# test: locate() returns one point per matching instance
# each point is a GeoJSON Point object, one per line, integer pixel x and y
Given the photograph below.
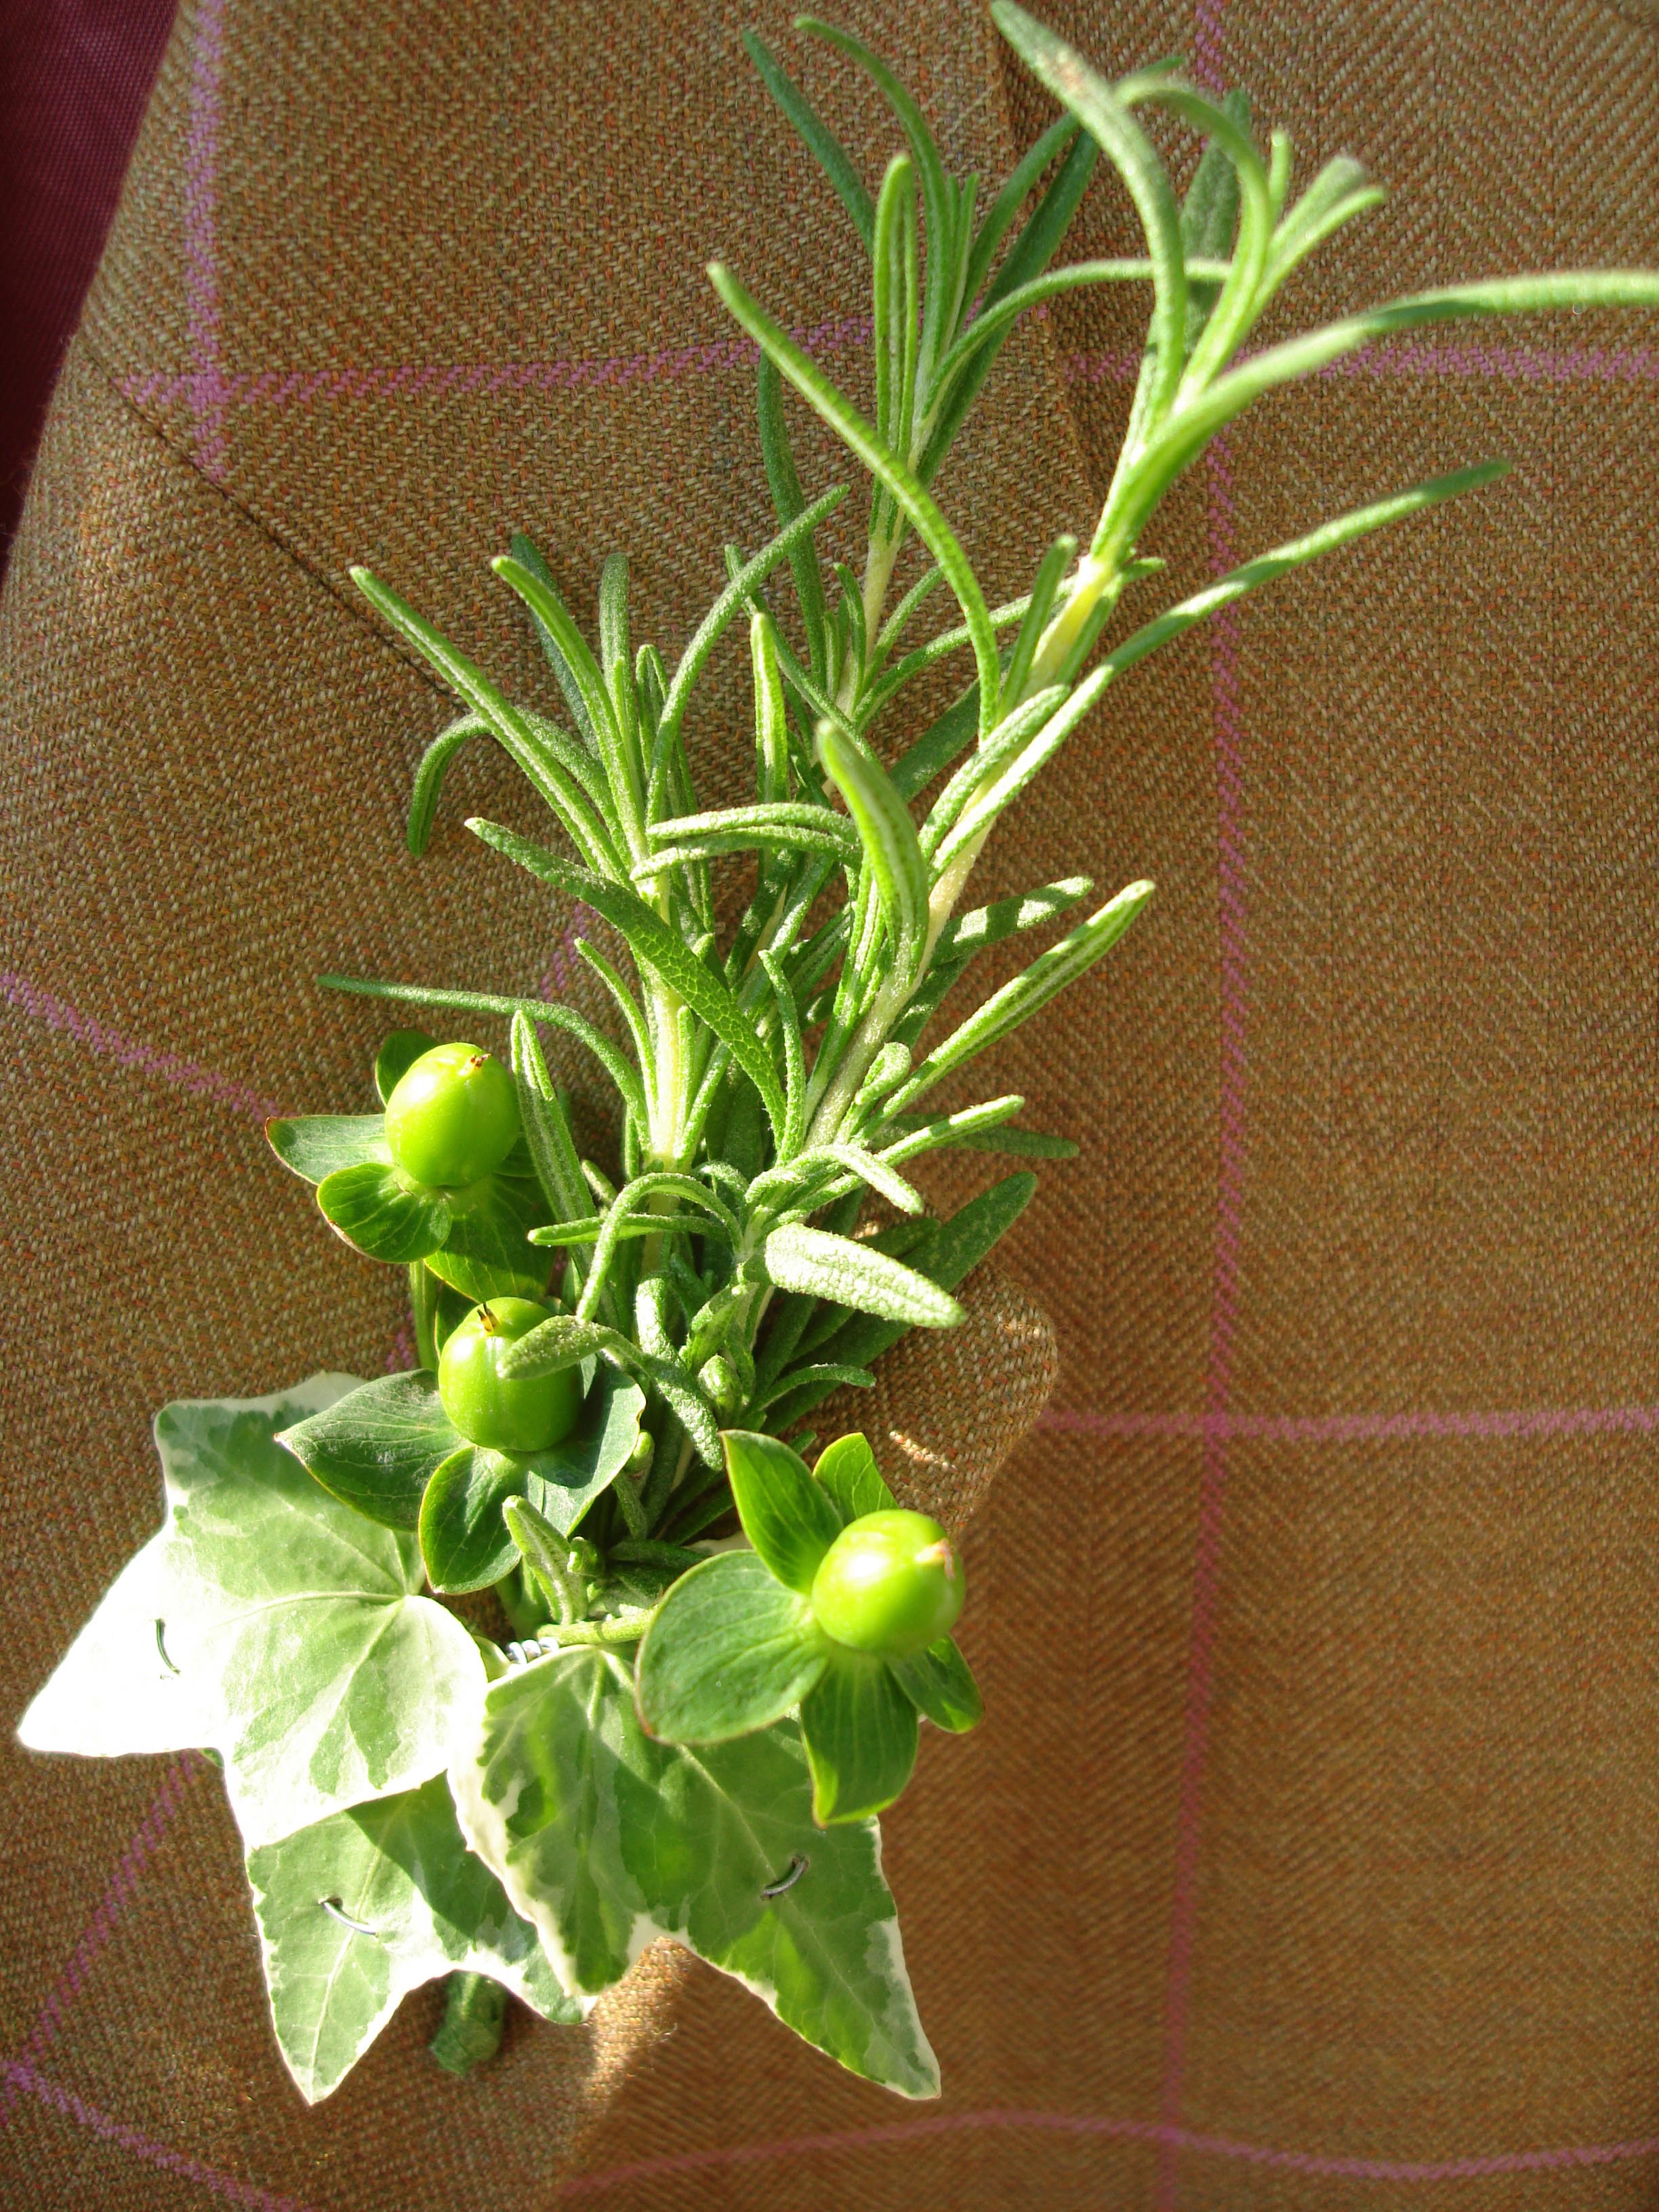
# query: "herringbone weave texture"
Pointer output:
{"type": "Point", "coordinates": [1307, 1857]}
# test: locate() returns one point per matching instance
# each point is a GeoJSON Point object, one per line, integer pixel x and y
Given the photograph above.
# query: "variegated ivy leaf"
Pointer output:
{"type": "Point", "coordinates": [423, 1905]}
{"type": "Point", "coordinates": [606, 1840]}
{"type": "Point", "coordinates": [270, 1623]}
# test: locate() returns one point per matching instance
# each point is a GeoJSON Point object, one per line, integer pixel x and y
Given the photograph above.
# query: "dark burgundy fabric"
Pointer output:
{"type": "Point", "coordinates": [74, 76]}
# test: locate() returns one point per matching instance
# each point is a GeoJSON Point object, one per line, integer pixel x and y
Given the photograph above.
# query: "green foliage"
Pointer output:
{"type": "Point", "coordinates": [270, 1623]}
{"type": "Point", "coordinates": [605, 1839]}
{"type": "Point", "coordinates": [360, 1909]}
{"type": "Point", "coordinates": [672, 1742]}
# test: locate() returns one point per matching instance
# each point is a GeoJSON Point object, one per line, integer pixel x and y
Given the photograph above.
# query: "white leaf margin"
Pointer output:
{"type": "Point", "coordinates": [122, 1688]}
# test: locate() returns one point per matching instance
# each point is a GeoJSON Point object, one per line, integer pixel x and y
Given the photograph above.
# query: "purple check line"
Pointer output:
{"type": "Point", "coordinates": [1229, 743]}
{"type": "Point", "coordinates": [440, 379]}
{"type": "Point", "coordinates": [209, 393]}
{"type": "Point", "coordinates": [29, 2082]}
{"type": "Point", "coordinates": [107, 1043]}
{"type": "Point", "coordinates": [122, 1884]}
{"type": "Point", "coordinates": [204, 386]}
{"type": "Point", "coordinates": [1223, 1427]}
{"type": "Point", "coordinates": [1137, 2132]}
{"type": "Point", "coordinates": [25, 2079]}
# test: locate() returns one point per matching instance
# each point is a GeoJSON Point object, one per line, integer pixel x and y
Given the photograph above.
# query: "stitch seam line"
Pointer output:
{"type": "Point", "coordinates": [309, 565]}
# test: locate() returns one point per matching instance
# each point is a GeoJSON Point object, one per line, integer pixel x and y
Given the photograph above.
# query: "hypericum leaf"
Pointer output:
{"type": "Point", "coordinates": [464, 1540]}
{"type": "Point", "coordinates": [376, 1449]}
{"type": "Point", "coordinates": [565, 1479]}
{"type": "Point", "coordinates": [729, 1649]}
{"type": "Point", "coordinates": [848, 1474]}
{"type": "Point", "coordinates": [1017, 1001]}
{"type": "Point", "coordinates": [785, 1516]}
{"type": "Point", "coordinates": [859, 1730]}
{"type": "Point", "coordinates": [316, 1145]}
{"type": "Point", "coordinates": [888, 838]}
{"type": "Point", "coordinates": [652, 942]}
{"type": "Point", "coordinates": [400, 1869]}
{"type": "Point", "coordinates": [487, 1252]}
{"type": "Point", "coordinates": [815, 135]}
{"type": "Point", "coordinates": [939, 1686]}
{"type": "Point", "coordinates": [828, 1267]}
{"type": "Point", "coordinates": [381, 1214]}
{"type": "Point", "coordinates": [398, 1054]}
{"type": "Point", "coordinates": [293, 1639]}
{"type": "Point", "coordinates": [606, 1840]}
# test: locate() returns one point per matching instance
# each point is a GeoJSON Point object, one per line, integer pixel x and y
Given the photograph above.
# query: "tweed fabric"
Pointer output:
{"type": "Point", "coordinates": [1306, 1858]}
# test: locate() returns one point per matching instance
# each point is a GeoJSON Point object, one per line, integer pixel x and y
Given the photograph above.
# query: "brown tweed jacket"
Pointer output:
{"type": "Point", "coordinates": [1308, 1858]}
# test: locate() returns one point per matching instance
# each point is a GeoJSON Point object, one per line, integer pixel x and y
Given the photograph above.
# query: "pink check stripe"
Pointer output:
{"type": "Point", "coordinates": [1406, 358]}
{"type": "Point", "coordinates": [142, 2147]}
{"type": "Point", "coordinates": [275, 387]}
{"type": "Point", "coordinates": [29, 2082]}
{"type": "Point", "coordinates": [116, 1899]}
{"type": "Point", "coordinates": [1359, 1428]}
{"type": "Point", "coordinates": [900, 2133]}
{"type": "Point", "coordinates": [202, 386]}
{"type": "Point", "coordinates": [209, 393]}
{"type": "Point", "coordinates": [107, 1043]}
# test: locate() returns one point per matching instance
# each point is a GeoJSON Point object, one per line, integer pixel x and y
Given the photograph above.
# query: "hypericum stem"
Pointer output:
{"type": "Point", "coordinates": [625, 1628]}
{"type": "Point", "coordinates": [423, 1306]}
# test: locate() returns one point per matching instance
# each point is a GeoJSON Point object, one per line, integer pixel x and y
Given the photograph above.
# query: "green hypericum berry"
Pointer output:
{"type": "Point", "coordinates": [520, 1414]}
{"type": "Point", "coordinates": [891, 1582]}
{"type": "Point", "coordinates": [453, 1116]}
